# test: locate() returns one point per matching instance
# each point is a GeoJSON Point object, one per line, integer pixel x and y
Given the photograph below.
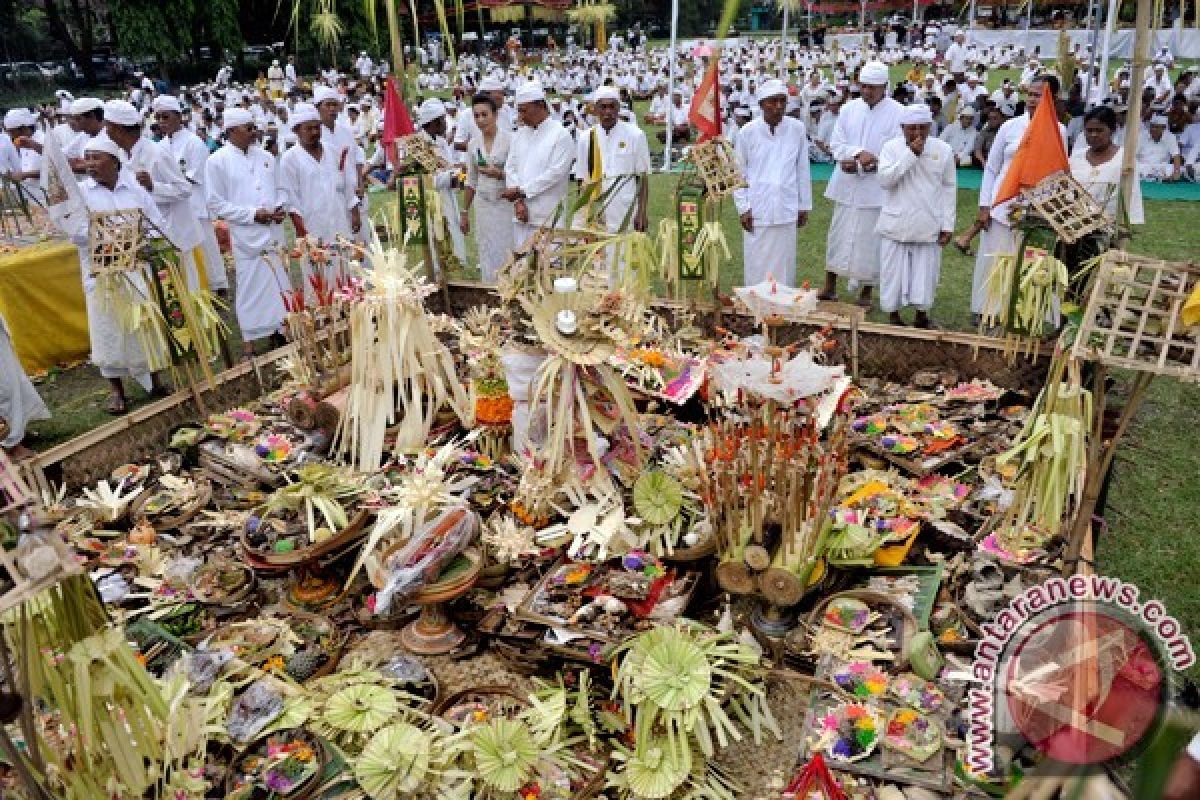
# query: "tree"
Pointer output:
{"type": "Point", "coordinates": [74, 24]}
{"type": "Point", "coordinates": [170, 32]}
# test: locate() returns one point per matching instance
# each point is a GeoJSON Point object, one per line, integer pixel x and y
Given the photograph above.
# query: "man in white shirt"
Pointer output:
{"type": "Point", "coordinates": [998, 236]}
{"type": "Point", "coordinates": [864, 124]}
{"type": "Point", "coordinates": [538, 171]}
{"type": "Point", "coordinates": [364, 65]}
{"type": "Point", "coordinates": [956, 56]}
{"type": "Point", "coordinates": [918, 179]}
{"type": "Point", "coordinates": [821, 150]}
{"type": "Point", "coordinates": [624, 163]}
{"type": "Point", "coordinates": [772, 151]}
{"type": "Point", "coordinates": [431, 119]}
{"type": "Point", "coordinates": [1189, 148]}
{"type": "Point", "coordinates": [309, 180]}
{"type": "Point", "coordinates": [191, 154]}
{"type": "Point", "coordinates": [242, 190]}
{"type": "Point", "coordinates": [159, 175]}
{"type": "Point", "coordinates": [960, 135]}
{"type": "Point", "coordinates": [21, 146]}
{"type": "Point", "coordinates": [1158, 156]}
{"type": "Point", "coordinates": [290, 79]}
{"type": "Point", "coordinates": [338, 138]}
{"type": "Point", "coordinates": [1160, 82]}
{"type": "Point", "coordinates": [970, 92]}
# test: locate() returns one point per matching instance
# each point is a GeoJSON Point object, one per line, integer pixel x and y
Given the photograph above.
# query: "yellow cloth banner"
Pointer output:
{"type": "Point", "coordinates": [41, 298]}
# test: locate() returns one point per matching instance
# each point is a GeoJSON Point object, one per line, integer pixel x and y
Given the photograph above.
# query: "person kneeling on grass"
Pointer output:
{"type": "Point", "coordinates": [918, 178]}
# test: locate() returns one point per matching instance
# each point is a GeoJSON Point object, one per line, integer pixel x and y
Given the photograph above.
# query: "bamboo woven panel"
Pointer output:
{"type": "Point", "coordinates": [1133, 320]}
{"type": "Point", "coordinates": [419, 150]}
{"type": "Point", "coordinates": [718, 167]}
{"type": "Point", "coordinates": [14, 493]}
{"type": "Point", "coordinates": [1062, 203]}
{"type": "Point", "coordinates": [114, 238]}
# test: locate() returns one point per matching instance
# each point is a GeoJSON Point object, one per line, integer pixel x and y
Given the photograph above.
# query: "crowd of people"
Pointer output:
{"type": "Point", "coordinates": [515, 134]}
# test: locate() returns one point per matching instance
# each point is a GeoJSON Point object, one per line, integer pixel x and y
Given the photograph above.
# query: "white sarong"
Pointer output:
{"type": "Point", "coordinates": [520, 372]}
{"type": "Point", "coordinates": [852, 249]}
{"type": "Point", "coordinates": [20, 403]}
{"type": "Point", "coordinates": [770, 252]}
{"type": "Point", "coordinates": [908, 274]}
{"type": "Point", "coordinates": [260, 284]}
{"type": "Point", "coordinates": [998, 239]}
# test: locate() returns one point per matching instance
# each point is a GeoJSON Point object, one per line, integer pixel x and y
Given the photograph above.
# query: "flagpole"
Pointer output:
{"type": "Point", "coordinates": [671, 68]}
{"type": "Point", "coordinates": [783, 41]}
{"type": "Point", "coordinates": [1110, 21]}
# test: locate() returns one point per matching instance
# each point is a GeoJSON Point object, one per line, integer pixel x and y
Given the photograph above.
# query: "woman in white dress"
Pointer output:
{"type": "Point", "coordinates": [487, 152]}
{"type": "Point", "coordinates": [1098, 167]}
{"type": "Point", "coordinates": [19, 401]}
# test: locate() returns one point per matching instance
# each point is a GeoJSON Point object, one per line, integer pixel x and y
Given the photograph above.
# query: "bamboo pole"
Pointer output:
{"type": "Point", "coordinates": [393, 19]}
{"type": "Point", "coordinates": [1133, 120]}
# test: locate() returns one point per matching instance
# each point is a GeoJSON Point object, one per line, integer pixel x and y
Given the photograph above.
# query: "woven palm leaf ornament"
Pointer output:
{"type": "Point", "coordinates": [504, 758]}
{"type": "Point", "coordinates": [401, 374]}
{"type": "Point", "coordinates": [578, 395]}
{"type": "Point", "coordinates": [139, 278]}
{"type": "Point", "coordinates": [404, 760]}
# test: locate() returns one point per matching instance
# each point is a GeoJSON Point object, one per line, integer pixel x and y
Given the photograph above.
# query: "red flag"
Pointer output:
{"type": "Point", "coordinates": [1040, 154]}
{"type": "Point", "coordinates": [705, 112]}
{"type": "Point", "coordinates": [396, 121]}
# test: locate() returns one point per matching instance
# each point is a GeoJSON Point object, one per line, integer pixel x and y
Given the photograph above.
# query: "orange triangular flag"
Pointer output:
{"type": "Point", "coordinates": [1040, 154]}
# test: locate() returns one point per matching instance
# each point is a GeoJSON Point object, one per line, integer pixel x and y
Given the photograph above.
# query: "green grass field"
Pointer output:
{"type": "Point", "coordinates": [1155, 491]}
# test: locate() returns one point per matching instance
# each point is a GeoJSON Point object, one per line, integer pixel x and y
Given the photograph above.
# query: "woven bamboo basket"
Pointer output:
{"type": "Point", "coordinates": [1133, 318]}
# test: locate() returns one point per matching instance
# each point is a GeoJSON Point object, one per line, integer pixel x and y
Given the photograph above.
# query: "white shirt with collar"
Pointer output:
{"type": "Point", "coordinates": [775, 163]}
{"type": "Point", "coordinates": [539, 164]}
{"type": "Point", "coordinates": [624, 152]}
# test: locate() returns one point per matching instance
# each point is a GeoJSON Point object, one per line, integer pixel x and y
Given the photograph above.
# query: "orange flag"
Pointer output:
{"type": "Point", "coordinates": [705, 113]}
{"type": "Point", "coordinates": [1040, 154]}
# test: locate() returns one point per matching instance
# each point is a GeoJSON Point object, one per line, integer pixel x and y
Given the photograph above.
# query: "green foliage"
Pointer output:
{"type": "Point", "coordinates": [147, 28]}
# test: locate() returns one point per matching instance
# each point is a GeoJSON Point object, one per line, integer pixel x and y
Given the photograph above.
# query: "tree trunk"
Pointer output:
{"type": "Point", "coordinates": [79, 52]}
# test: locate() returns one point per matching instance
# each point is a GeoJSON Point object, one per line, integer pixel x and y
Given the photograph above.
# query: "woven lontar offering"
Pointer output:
{"type": "Point", "coordinates": [114, 239]}
{"type": "Point", "coordinates": [1134, 317]}
{"type": "Point", "coordinates": [1064, 205]}
{"type": "Point", "coordinates": [718, 167]}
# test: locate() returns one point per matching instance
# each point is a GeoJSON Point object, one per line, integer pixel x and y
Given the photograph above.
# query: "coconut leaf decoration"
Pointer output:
{"type": "Point", "coordinates": [360, 709]}
{"type": "Point", "coordinates": [657, 497]}
{"type": "Point", "coordinates": [505, 754]}
{"type": "Point", "coordinates": [400, 761]}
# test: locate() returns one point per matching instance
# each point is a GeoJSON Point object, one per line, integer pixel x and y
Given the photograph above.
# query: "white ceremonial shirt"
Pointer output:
{"type": "Point", "coordinates": [239, 183]}
{"type": "Point", "coordinates": [623, 152]}
{"type": "Point", "coordinates": [343, 150]}
{"type": "Point", "coordinates": [310, 189]}
{"type": "Point", "coordinates": [775, 163]}
{"type": "Point", "coordinates": [191, 154]}
{"type": "Point", "coordinates": [539, 164]}
{"type": "Point", "coordinates": [1162, 152]}
{"type": "Point", "coordinates": [919, 192]}
{"type": "Point", "coordinates": [960, 139]}
{"type": "Point", "coordinates": [956, 58]}
{"type": "Point", "coordinates": [860, 127]}
{"type": "Point", "coordinates": [172, 192]}
{"type": "Point", "coordinates": [127, 194]}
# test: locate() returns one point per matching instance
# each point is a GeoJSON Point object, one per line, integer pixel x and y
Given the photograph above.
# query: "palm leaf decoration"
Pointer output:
{"type": "Point", "coordinates": [657, 497]}
{"type": "Point", "coordinates": [505, 753]}
{"type": "Point", "coordinates": [360, 709]}
{"type": "Point", "coordinates": [400, 761]}
{"type": "Point", "coordinates": [655, 771]}
{"type": "Point", "coordinates": [681, 679]}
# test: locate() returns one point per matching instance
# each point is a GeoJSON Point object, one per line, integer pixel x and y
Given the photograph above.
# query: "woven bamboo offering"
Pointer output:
{"type": "Point", "coordinates": [718, 167]}
{"type": "Point", "coordinates": [1133, 316]}
{"type": "Point", "coordinates": [1063, 204]}
{"type": "Point", "coordinates": [114, 238]}
{"type": "Point", "coordinates": [419, 151]}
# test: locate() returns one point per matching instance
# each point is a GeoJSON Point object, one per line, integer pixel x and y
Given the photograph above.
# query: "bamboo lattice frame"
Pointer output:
{"type": "Point", "coordinates": [718, 167]}
{"type": "Point", "coordinates": [419, 150]}
{"type": "Point", "coordinates": [1133, 316]}
{"type": "Point", "coordinates": [1062, 203]}
{"type": "Point", "coordinates": [114, 239]}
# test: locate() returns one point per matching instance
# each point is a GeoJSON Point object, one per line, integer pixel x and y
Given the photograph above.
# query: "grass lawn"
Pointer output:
{"type": "Point", "coordinates": [1155, 491]}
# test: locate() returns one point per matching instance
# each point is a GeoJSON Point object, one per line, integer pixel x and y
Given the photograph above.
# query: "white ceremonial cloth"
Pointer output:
{"type": "Point", "coordinates": [919, 192]}
{"type": "Point", "coordinates": [172, 193]}
{"type": "Point", "coordinates": [20, 403]}
{"type": "Point", "coordinates": [539, 164]}
{"type": "Point", "coordinates": [908, 275]}
{"type": "Point", "coordinates": [239, 183]}
{"type": "Point", "coordinates": [493, 214]}
{"type": "Point", "coordinates": [860, 127]}
{"type": "Point", "coordinates": [310, 189]}
{"type": "Point", "coordinates": [115, 353]}
{"type": "Point", "coordinates": [191, 154]}
{"type": "Point", "coordinates": [624, 152]}
{"type": "Point", "coordinates": [770, 252]}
